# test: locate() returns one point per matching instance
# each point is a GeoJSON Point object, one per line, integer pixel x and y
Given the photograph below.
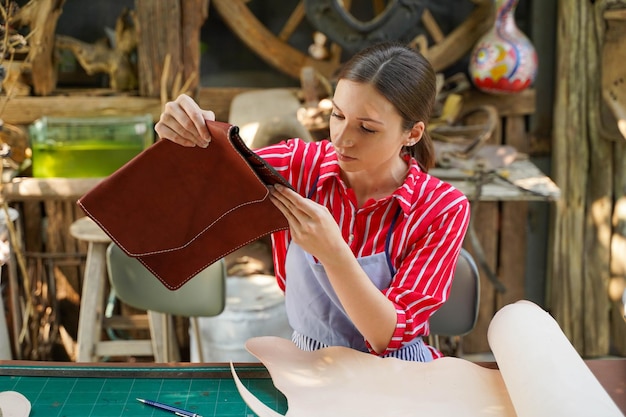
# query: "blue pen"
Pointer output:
{"type": "Point", "coordinates": [175, 410]}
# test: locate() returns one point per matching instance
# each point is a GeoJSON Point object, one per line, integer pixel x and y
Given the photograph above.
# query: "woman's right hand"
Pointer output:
{"type": "Point", "coordinates": [183, 122]}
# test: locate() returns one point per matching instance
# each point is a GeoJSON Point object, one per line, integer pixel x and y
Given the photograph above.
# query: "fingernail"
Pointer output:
{"type": "Point", "coordinates": [278, 187]}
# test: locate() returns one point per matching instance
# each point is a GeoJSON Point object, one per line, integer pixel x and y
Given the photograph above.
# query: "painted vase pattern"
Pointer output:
{"type": "Point", "coordinates": [503, 60]}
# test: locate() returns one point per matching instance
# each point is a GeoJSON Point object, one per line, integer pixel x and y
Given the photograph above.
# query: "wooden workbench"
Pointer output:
{"type": "Point", "coordinates": [519, 181]}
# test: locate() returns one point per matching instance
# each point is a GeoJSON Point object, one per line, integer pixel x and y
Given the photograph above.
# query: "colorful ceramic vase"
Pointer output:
{"type": "Point", "coordinates": [503, 60]}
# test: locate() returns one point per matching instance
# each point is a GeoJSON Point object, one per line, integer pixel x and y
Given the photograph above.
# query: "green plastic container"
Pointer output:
{"type": "Point", "coordinates": [71, 147]}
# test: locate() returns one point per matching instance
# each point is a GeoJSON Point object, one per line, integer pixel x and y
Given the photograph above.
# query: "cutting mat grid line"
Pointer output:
{"type": "Point", "coordinates": [116, 397]}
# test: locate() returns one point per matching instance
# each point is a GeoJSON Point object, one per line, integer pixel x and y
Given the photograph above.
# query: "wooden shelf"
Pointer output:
{"type": "Point", "coordinates": [36, 189]}
{"type": "Point", "coordinates": [518, 104]}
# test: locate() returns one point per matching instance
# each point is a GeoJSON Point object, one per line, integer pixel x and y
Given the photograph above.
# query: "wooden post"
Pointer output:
{"type": "Point", "coordinates": [614, 94]}
{"type": "Point", "coordinates": [617, 284]}
{"type": "Point", "coordinates": [169, 27]}
{"type": "Point", "coordinates": [586, 166]}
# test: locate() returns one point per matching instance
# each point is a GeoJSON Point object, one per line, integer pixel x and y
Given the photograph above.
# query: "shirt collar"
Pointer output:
{"type": "Point", "coordinates": [407, 193]}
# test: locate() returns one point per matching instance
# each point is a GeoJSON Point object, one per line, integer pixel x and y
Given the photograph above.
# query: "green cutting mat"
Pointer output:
{"type": "Point", "coordinates": [68, 391]}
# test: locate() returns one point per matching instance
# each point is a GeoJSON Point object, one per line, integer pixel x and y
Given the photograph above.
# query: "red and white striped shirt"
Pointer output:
{"type": "Point", "coordinates": [425, 241]}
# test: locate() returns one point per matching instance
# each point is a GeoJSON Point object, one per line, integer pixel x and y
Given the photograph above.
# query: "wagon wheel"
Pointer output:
{"type": "Point", "coordinates": [442, 50]}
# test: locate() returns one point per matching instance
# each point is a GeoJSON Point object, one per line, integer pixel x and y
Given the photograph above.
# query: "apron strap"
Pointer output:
{"type": "Point", "coordinates": [388, 240]}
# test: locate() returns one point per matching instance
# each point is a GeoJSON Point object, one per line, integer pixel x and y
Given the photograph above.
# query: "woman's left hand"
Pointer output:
{"type": "Point", "coordinates": [311, 225]}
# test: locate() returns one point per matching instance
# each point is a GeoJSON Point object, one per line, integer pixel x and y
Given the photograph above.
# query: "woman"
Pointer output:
{"type": "Point", "coordinates": [373, 239]}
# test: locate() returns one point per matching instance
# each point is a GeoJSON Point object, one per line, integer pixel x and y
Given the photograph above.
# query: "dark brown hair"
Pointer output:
{"type": "Point", "coordinates": [405, 78]}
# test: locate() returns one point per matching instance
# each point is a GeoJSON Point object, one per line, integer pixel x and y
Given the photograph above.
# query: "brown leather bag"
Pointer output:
{"type": "Point", "coordinates": [179, 209]}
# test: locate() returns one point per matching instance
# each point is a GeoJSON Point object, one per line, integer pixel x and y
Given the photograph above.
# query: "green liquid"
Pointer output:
{"type": "Point", "coordinates": [89, 158]}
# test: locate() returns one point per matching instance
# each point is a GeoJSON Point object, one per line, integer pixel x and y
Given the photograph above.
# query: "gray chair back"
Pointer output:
{"type": "Point", "coordinates": [459, 313]}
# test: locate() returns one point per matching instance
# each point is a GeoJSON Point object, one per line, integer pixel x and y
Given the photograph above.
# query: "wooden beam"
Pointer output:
{"type": "Point", "coordinates": [25, 110]}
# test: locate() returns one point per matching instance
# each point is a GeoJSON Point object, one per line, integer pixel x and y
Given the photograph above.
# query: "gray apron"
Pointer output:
{"type": "Point", "coordinates": [315, 312]}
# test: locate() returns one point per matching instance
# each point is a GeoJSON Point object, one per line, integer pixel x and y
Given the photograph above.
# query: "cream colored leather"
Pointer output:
{"type": "Point", "coordinates": [539, 375]}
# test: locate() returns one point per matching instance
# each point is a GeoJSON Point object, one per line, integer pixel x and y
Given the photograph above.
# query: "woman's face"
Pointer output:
{"type": "Point", "coordinates": [366, 129]}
